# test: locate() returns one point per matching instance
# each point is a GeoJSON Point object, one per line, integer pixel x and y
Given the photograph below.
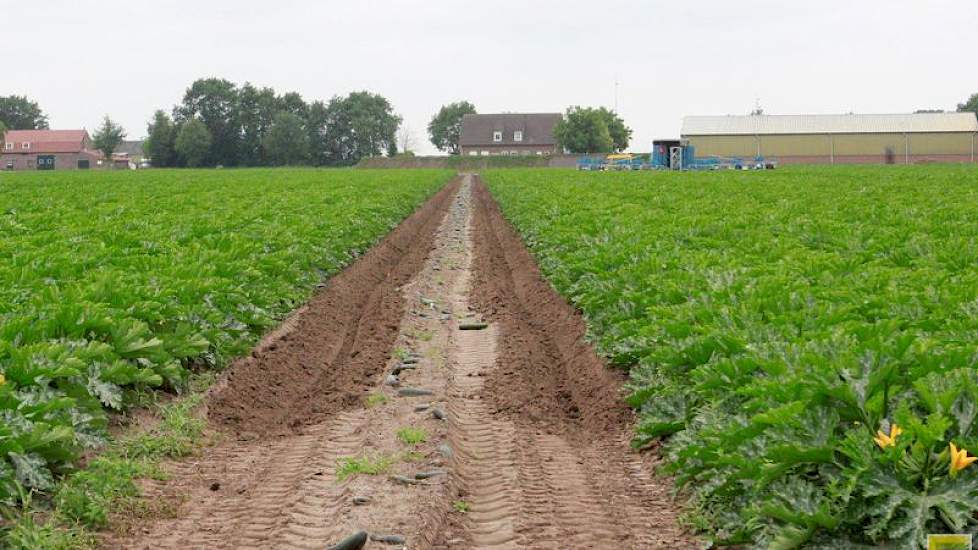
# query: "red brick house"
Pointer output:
{"type": "Point", "coordinates": [509, 134]}
{"type": "Point", "coordinates": [47, 150]}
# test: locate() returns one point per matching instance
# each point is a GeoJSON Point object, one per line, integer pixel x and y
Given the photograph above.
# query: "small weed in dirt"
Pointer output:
{"type": "Point", "coordinates": [460, 506]}
{"type": "Point", "coordinates": [412, 456]}
{"type": "Point", "coordinates": [22, 531]}
{"type": "Point", "coordinates": [108, 482]}
{"type": "Point", "coordinates": [401, 353]}
{"type": "Point", "coordinates": [371, 466]}
{"type": "Point", "coordinates": [412, 436]}
{"type": "Point", "coordinates": [177, 435]}
{"type": "Point", "coordinates": [376, 399]}
{"type": "Point", "coordinates": [424, 335]}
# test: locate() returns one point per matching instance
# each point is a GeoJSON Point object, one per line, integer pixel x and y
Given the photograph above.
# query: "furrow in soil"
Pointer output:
{"type": "Point", "coordinates": [290, 415]}
{"type": "Point", "coordinates": [438, 392]}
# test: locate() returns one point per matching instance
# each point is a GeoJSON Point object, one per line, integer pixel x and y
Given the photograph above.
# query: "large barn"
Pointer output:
{"type": "Point", "coordinates": [837, 139]}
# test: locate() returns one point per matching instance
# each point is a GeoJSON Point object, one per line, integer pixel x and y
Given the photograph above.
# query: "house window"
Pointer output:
{"type": "Point", "coordinates": [518, 135]}
{"type": "Point", "coordinates": [540, 153]}
{"type": "Point", "coordinates": [497, 136]}
{"type": "Point", "coordinates": [473, 153]}
{"type": "Point", "coordinates": [25, 145]}
{"type": "Point", "coordinates": [8, 146]}
{"type": "Point", "coordinates": [484, 153]}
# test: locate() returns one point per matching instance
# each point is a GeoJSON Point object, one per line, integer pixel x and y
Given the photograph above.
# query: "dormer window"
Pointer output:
{"type": "Point", "coordinates": [518, 135]}
{"type": "Point", "coordinates": [497, 136]}
{"type": "Point", "coordinates": [25, 146]}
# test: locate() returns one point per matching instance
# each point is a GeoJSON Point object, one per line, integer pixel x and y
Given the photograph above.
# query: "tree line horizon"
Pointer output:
{"type": "Point", "coordinates": [219, 123]}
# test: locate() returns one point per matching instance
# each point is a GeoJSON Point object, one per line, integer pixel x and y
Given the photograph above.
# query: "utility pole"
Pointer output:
{"type": "Point", "coordinates": [616, 93]}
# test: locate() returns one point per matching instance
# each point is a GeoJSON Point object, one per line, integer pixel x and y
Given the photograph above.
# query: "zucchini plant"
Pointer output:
{"type": "Point", "coordinates": [802, 341]}
{"type": "Point", "coordinates": [113, 283]}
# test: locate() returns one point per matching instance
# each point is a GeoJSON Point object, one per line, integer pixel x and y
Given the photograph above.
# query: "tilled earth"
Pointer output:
{"type": "Point", "coordinates": [525, 436]}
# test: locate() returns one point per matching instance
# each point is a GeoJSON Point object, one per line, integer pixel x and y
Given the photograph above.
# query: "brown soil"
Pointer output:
{"type": "Point", "coordinates": [338, 346]}
{"type": "Point", "coordinates": [534, 441]}
{"type": "Point", "coordinates": [554, 428]}
{"type": "Point", "coordinates": [547, 373]}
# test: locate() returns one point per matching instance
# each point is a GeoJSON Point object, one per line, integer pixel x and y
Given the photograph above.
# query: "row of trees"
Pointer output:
{"type": "Point", "coordinates": [582, 130]}
{"type": "Point", "coordinates": [219, 123]}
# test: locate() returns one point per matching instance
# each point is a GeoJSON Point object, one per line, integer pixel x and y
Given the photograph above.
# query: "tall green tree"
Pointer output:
{"type": "Point", "coordinates": [317, 119]}
{"type": "Point", "coordinates": [293, 103]}
{"type": "Point", "coordinates": [20, 113]}
{"type": "Point", "coordinates": [3, 131]}
{"type": "Point", "coordinates": [193, 143]}
{"type": "Point", "coordinates": [108, 136]}
{"type": "Point", "coordinates": [445, 127]}
{"type": "Point", "coordinates": [214, 101]}
{"type": "Point", "coordinates": [620, 134]}
{"type": "Point", "coordinates": [584, 130]}
{"type": "Point", "coordinates": [160, 143]}
{"type": "Point", "coordinates": [970, 105]}
{"type": "Point", "coordinates": [359, 125]}
{"type": "Point", "coordinates": [256, 109]}
{"type": "Point", "coordinates": [287, 142]}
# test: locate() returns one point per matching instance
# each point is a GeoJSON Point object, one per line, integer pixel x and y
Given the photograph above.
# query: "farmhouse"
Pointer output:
{"type": "Point", "coordinates": [837, 139]}
{"type": "Point", "coordinates": [509, 134]}
{"type": "Point", "coordinates": [47, 150]}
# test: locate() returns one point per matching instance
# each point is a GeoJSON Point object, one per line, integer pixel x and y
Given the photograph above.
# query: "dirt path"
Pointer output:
{"type": "Point", "coordinates": [525, 439]}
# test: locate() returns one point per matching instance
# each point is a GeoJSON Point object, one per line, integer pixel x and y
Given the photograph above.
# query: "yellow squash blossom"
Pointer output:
{"type": "Point", "coordinates": [960, 459]}
{"type": "Point", "coordinates": [884, 440]}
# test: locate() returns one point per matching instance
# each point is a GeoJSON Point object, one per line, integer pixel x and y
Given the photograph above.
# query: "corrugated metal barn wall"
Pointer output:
{"type": "Point", "coordinates": [842, 148]}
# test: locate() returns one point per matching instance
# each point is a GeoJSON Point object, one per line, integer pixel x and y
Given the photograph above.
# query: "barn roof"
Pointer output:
{"type": "Point", "coordinates": [46, 141]}
{"type": "Point", "coordinates": [829, 124]}
{"type": "Point", "coordinates": [131, 148]}
{"type": "Point", "coordinates": [537, 128]}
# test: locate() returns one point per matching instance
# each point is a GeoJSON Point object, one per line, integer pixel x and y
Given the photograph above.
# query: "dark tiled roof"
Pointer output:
{"type": "Point", "coordinates": [537, 128]}
{"type": "Point", "coordinates": [131, 148]}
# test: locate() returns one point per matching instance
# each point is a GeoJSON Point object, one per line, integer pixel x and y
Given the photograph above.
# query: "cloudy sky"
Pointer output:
{"type": "Point", "coordinates": [81, 59]}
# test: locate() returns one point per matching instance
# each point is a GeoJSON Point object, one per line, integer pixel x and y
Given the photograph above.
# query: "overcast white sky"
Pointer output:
{"type": "Point", "coordinates": [84, 58]}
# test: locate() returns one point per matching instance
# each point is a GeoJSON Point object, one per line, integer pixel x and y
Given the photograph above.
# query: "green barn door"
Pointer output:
{"type": "Point", "coordinates": [45, 162]}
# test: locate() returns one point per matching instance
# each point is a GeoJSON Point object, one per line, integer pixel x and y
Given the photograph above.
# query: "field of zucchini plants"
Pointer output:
{"type": "Point", "coordinates": [112, 283]}
{"type": "Point", "coordinates": [803, 342]}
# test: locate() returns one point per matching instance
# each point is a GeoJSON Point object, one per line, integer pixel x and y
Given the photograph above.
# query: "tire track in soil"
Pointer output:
{"type": "Point", "coordinates": [536, 437]}
{"type": "Point", "coordinates": [289, 412]}
{"type": "Point", "coordinates": [545, 425]}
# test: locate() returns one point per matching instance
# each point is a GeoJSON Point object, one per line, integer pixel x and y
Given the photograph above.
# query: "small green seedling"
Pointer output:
{"type": "Point", "coordinates": [461, 506]}
{"type": "Point", "coordinates": [376, 399]}
{"type": "Point", "coordinates": [412, 436]}
{"type": "Point", "coordinates": [412, 456]}
{"type": "Point", "coordinates": [371, 466]}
